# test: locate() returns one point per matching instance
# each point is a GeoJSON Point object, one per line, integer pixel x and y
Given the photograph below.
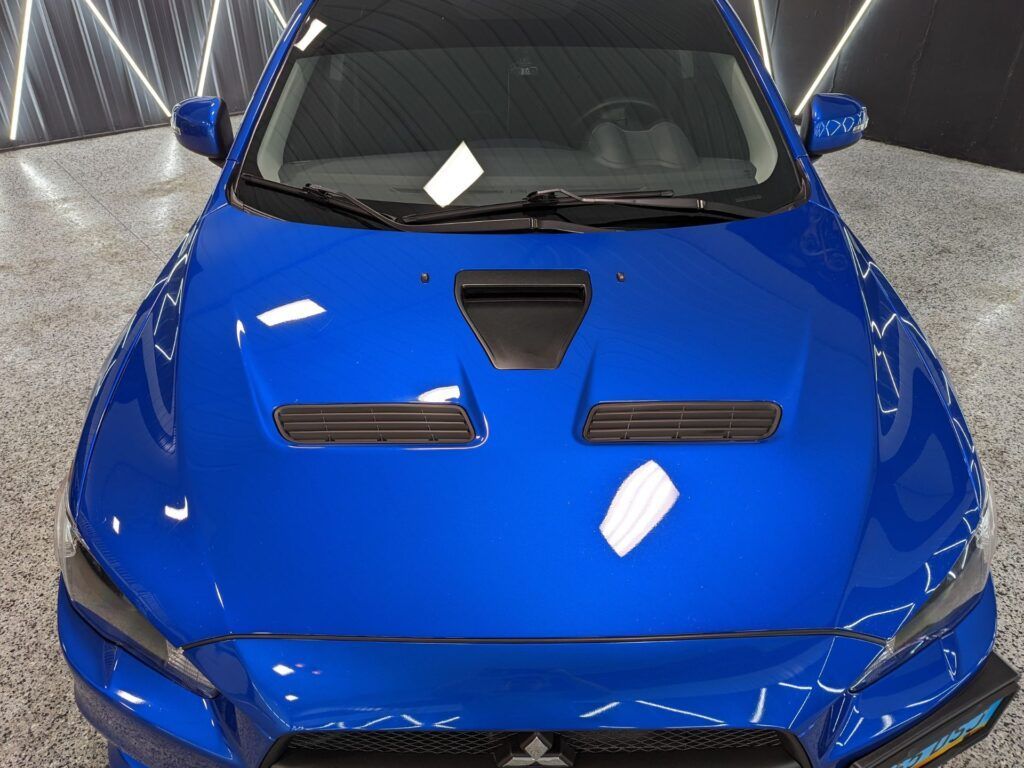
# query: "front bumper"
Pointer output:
{"type": "Point", "coordinates": [934, 706]}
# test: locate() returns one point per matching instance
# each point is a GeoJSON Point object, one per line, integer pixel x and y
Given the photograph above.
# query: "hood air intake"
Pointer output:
{"type": "Point", "coordinates": [704, 422]}
{"type": "Point", "coordinates": [525, 319]}
{"type": "Point", "coordinates": [394, 423]}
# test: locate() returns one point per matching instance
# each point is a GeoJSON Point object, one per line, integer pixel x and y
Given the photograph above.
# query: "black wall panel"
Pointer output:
{"type": "Point", "coordinates": [960, 91]}
{"type": "Point", "coordinates": [945, 76]}
{"type": "Point", "coordinates": [940, 75]}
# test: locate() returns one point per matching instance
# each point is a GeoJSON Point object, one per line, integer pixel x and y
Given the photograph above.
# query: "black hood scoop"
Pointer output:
{"type": "Point", "coordinates": [525, 319]}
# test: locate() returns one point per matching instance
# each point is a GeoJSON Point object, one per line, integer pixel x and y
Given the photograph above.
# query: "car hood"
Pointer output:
{"type": "Point", "coordinates": [214, 525]}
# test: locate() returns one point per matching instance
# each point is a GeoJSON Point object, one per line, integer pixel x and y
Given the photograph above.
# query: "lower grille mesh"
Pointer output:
{"type": "Point", "coordinates": [361, 424]}
{"type": "Point", "coordinates": [483, 742]}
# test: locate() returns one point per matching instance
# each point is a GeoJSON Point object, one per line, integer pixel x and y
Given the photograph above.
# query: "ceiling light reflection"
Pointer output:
{"type": "Point", "coordinates": [287, 313]}
{"type": "Point", "coordinates": [832, 58]}
{"type": "Point", "coordinates": [127, 56]}
{"type": "Point", "coordinates": [440, 395]}
{"type": "Point", "coordinates": [600, 710]}
{"type": "Point", "coordinates": [315, 28]}
{"type": "Point", "coordinates": [277, 12]}
{"type": "Point", "coordinates": [208, 48]}
{"type": "Point", "coordinates": [19, 77]}
{"type": "Point", "coordinates": [177, 513]}
{"type": "Point", "coordinates": [640, 504]}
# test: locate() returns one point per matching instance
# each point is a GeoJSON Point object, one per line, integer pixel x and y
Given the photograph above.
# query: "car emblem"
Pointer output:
{"type": "Point", "coordinates": [536, 749]}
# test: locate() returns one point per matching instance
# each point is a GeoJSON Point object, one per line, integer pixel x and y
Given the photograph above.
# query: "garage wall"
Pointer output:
{"type": "Point", "coordinates": [79, 83]}
{"type": "Point", "coordinates": [945, 76]}
{"type": "Point", "coordinates": [940, 75]}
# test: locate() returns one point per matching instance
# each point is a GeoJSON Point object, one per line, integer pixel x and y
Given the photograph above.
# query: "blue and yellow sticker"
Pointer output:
{"type": "Point", "coordinates": [950, 740]}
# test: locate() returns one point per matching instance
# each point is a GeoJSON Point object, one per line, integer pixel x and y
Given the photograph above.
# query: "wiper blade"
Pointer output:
{"type": "Point", "coordinates": [346, 203]}
{"type": "Point", "coordinates": [560, 198]}
{"type": "Point", "coordinates": [338, 201]}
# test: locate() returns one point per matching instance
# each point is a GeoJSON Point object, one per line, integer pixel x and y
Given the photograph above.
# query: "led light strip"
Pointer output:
{"type": "Point", "coordinates": [277, 12]}
{"type": "Point", "coordinates": [835, 55]}
{"type": "Point", "coordinates": [208, 49]}
{"type": "Point", "coordinates": [766, 53]}
{"type": "Point", "coordinates": [127, 56]}
{"type": "Point", "coordinates": [19, 81]}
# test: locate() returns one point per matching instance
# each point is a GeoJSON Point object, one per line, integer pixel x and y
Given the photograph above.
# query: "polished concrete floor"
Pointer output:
{"type": "Point", "coordinates": [84, 228]}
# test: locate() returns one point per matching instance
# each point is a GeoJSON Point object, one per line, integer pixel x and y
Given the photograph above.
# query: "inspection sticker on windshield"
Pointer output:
{"type": "Point", "coordinates": [951, 740]}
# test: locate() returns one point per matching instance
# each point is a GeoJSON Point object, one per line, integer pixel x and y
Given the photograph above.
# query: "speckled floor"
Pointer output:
{"type": "Point", "coordinates": [84, 228]}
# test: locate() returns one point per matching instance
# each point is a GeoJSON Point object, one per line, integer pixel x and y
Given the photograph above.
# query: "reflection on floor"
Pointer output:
{"type": "Point", "coordinates": [85, 227]}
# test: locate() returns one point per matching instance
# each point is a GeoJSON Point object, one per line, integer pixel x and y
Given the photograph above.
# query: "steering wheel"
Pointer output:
{"type": "Point", "coordinates": [639, 105]}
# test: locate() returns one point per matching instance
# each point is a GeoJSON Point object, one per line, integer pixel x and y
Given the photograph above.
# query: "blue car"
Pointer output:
{"type": "Point", "coordinates": [520, 398]}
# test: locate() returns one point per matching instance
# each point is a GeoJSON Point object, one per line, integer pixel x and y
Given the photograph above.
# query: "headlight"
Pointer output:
{"type": "Point", "coordinates": [949, 603]}
{"type": "Point", "coordinates": [110, 612]}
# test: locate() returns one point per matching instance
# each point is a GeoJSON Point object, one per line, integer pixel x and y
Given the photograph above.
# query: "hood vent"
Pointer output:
{"type": "Point", "coordinates": [525, 319]}
{"type": "Point", "coordinates": [705, 422]}
{"type": "Point", "coordinates": [363, 424]}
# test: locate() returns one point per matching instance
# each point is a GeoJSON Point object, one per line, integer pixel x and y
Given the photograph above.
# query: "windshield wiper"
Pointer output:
{"type": "Point", "coordinates": [346, 203]}
{"type": "Point", "coordinates": [338, 201]}
{"type": "Point", "coordinates": [562, 198]}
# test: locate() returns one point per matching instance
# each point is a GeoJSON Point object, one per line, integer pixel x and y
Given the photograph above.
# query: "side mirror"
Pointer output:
{"type": "Point", "coordinates": [202, 125]}
{"type": "Point", "coordinates": [835, 122]}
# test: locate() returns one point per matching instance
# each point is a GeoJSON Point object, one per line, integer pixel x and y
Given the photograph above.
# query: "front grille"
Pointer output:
{"type": "Point", "coordinates": [703, 422]}
{"type": "Point", "coordinates": [363, 424]}
{"type": "Point", "coordinates": [584, 742]}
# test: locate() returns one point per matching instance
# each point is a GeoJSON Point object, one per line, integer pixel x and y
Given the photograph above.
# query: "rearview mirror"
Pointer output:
{"type": "Point", "coordinates": [202, 125]}
{"type": "Point", "coordinates": [835, 122]}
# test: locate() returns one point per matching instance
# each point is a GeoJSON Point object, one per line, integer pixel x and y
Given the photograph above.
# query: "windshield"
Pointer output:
{"type": "Point", "coordinates": [414, 106]}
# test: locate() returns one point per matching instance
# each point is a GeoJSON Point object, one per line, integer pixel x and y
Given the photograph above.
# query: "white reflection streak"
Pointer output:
{"type": "Point", "coordinates": [239, 330]}
{"type": "Point", "coordinates": [315, 28]}
{"type": "Point", "coordinates": [803, 704]}
{"type": "Point", "coordinates": [208, 48]}
{"type": "Point", "coordinates": [283, 670]}
{"type": "Point", "coordinates": [277, 12]}
{"type": "Point", "coordinates": [834, 55]}
{"type": "Point", "coordinates": [127, 57]}
{"type": "Point", "coordinates": [846, 741]}
{"type": "Point", "coordinates": [640, 504]}
{"type": "Point", "coordinates": [440, 395]}
{"type": "Point", "coordinates": [759, 711]}
{"type": "Point", "coordinates": [600, 710]}
{"type": "Point", "coordinates": [19, 78]}
{"type": "Point", "coordinates": [763, 35]}
{"type": "Point", "coordinates": [680, 712]}
{"type": "Point", "coordinates": [173, 301]}
{"type": "Point", "coordinates": [907, 609]}
{"type": "Point", "coordinates": [131, 698]}
{"type": "Point", "coordinates": [444, 723]}
{"type": "Point", "coordinates": [177, 513]}
{"type": "Point", "coordinates": [796, 687]}
{"type": "Point", "coordinates": [378, 721]}
{"type": "Point", "coordinates": [287, 313]}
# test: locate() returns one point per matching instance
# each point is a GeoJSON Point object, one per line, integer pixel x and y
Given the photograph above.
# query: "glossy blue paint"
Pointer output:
{"type": "Point", "coordinates": [835, 524]}
{"type": "Point", "coordinates": [836, 122]}
{"type": "Point", "coordinates": [201, 125]}
{"type": "Point", "coordinates": [272, 687]}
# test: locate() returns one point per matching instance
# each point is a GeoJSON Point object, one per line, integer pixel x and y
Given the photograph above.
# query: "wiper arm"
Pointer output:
{"type": "Point", "coordinates": [346, 203]}
{"type": "Point", "coordinates": [338, 201]}
{"type": "Point", "coordinates": [560, 198]}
